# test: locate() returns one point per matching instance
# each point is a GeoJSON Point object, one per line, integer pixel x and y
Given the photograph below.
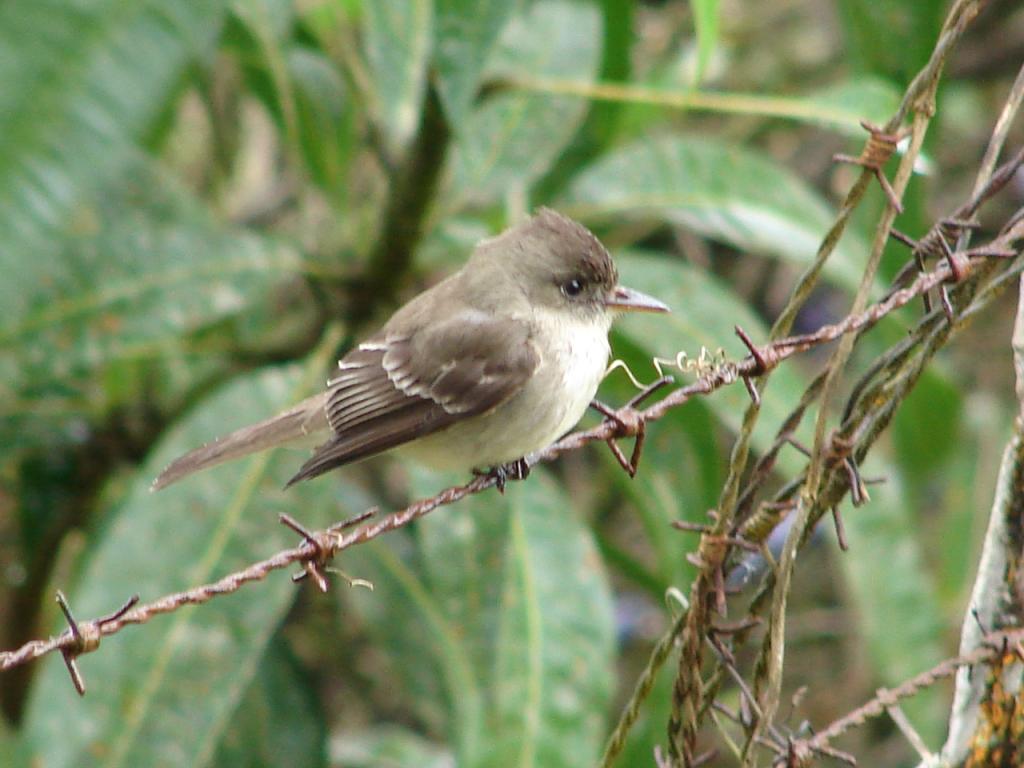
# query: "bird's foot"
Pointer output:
{"type": "Point", "coordinates": [502, 473]}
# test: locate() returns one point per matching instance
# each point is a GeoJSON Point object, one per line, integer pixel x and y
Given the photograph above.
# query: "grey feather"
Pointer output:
{"type": "Point", "coordinates": [400, 386]}
{"type": "Point", "coordinates": [294, 425]}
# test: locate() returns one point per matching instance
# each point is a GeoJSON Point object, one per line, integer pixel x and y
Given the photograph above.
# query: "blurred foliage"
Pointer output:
{"type": "Point", "coordinates": [193, 198]}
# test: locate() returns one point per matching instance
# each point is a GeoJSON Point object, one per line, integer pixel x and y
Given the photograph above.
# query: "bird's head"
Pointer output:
{"type": "Point", "coordinates": [561, 266]}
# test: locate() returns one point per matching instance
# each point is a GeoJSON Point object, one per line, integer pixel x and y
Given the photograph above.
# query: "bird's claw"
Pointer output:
{"type": "Point", "coordinates": [502, 473]}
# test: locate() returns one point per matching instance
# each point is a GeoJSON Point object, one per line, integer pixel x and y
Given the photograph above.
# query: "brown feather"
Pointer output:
{"type": "Point", "coordinates": [396, 387]}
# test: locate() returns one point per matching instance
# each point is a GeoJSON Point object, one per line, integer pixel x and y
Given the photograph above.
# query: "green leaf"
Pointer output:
{"type": "Point", "coordinates": [260, 33]}
{"type": "Point", "coordinates": [843, 105]}
{"type": "Point", "coordinates": [300, 86]}
{"type": "Point", "coordinates": [397, 37]}
{"type": "Point", "coordinates": [926, 427]}
{"type": "Point", "coordinates": [267, 19]}
{"type": "Point", "coordinates": [706, 22]}
{"type": "Point", "coordinates": [896, 603]}
{"type": "Point", "coordinates": [512, 606]}
{"type": "Point", "coordinates": [967, 487]}
{"type": "Point", "coordinates": [724, 192]}
{"type": "Point", "coordinates": [12, 750]}
{"type": "Point", "coordinates": [148, 266]}
{"type": "Point", "coordinates": [513, 138]}
{"type": "Point", "coordinates": [388, 746]}
{"type": "Point", "coordinates": [704, 312]}
{"type": "Point", "coordinates": [325, 122]}
{"type": "Point", "coordinates": [555, 646]}
{"type": "Point", "coordinates": [82, 81]}
{"type": "Point", "coordinates": [278, 721]}
{"type": "Point", "coordinates": [166, 692]}
{"type": "Point", "coordinates": [466, 31]}
{"type": "Point", "coordinates": [891, 37]}
{"type": "Point", "coordinates": [429, 665]}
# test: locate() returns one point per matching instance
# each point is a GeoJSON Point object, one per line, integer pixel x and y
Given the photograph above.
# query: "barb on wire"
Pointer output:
{"type": "Point", "coordinates": [85, 638]}
{"type": "Point", "coordinates": [880, 146]}
{"type": "Point", "coordinates": [941, 240]}
{"type": "Point", "coordinates": [322, 545]}
{"type": "Point", "coordinates": [630, 423]}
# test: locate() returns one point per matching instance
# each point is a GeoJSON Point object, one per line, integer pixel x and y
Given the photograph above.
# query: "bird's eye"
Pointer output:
{"type": "Point", "coordinates": [573, 287]}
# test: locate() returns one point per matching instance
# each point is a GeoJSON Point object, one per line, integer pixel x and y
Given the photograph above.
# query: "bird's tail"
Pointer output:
{"type": "Point", "coordinates": [295, 424]}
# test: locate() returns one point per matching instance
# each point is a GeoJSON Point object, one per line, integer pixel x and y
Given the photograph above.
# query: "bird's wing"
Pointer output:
{"type": "Point", "coordinates": [396, 387]}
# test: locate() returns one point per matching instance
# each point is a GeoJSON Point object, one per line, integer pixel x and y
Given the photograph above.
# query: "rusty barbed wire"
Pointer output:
{"type": "Point", "coordinates": [880, 146]}
{"type": "Point", "coordinates": [320, 547]}
{"type": "Point", "coordinates": [995, 644]}
{"type": "Point", "coordinates": [689, 688]}
{"type": "Point", "coordinates": [867, 424]}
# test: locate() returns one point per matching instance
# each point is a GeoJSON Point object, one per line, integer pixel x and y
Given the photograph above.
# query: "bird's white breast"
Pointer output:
{"type": "Point", "coordinates": [574, 356]}
{"type": "Point", "coordinates": [574, 370]}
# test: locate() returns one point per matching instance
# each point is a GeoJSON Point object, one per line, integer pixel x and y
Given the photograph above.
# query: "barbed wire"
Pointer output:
{"type": "Point", "coordinates": [994, 645]}
{"type": "Point", "coordinates": [318, 548]}
{"type": "Point", "coordinates": [955, 265]}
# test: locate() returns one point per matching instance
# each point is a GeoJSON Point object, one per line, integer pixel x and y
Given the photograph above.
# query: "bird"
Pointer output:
{"type": "Point", "coordinates": [486, 367]}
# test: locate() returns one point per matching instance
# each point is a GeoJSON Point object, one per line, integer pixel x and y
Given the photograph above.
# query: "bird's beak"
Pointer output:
{"type": "Point", "coordinates": [627, 300]}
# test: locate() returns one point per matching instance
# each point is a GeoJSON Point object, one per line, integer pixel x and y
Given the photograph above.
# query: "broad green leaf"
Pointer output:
{"type": "Point", "coordinates": [553, 673]}
{"type": "Point", "coordinates": [392, 747]}
{"type": "Point", "coordinates": [278, 721]}
{"type": "Point", "coordinates": [896, 603]}
{"type": "Point", "coordinates": [166, 692]}
{"type": "Point", "coordinates": [704, 312]}
{"type": "Point", "coordinates": [325, 122]}
{"type": "Point", "coordinates": [507, 597]}
{"type": "Point", "coordinates": [706, 21]}
{"type": "Point", "coordinates": [925, 428]}
{"type": "Point", "coordinates": [724, 192]}
{"type": "Point", "coordinates": [323, 19]}
{"type": "Point", "coordinates": [465, 32]}
{"type": "Point", "coordinates": [965, 489]}
{"type": "Point", "coordinates": [603, 118]}
{"type": "Point", "coordinates": [148, 266]}
{"type": "Point", "coordinates": [447, 246]}
{"type": "Point", "coordinates": [890, 37]}
{"type": "Point", "coordinates": [12, 750]}
{"type": "Point", "coordinates": [397, 37]}
{"type": "Point", "coordinates": [845, 104]}
{"type": "Point", "coordinates": [82, 81]}
{"type": "Point", "coordinates": [513, 138]}
{"type": "Point", "coordinates": [424, 656]}
{"type": "Point", "coordinates": [260, 30]}
{"type": "Point", "coordinates": [300, 86]}
{"type": "Point", "coordinates": [267, 18]}
{"type": "Point", "coordinates": [463, 555]}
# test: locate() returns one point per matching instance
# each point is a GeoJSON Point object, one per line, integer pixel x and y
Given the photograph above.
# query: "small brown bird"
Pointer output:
{"type": "Point", "coordinates": [488, 366]}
